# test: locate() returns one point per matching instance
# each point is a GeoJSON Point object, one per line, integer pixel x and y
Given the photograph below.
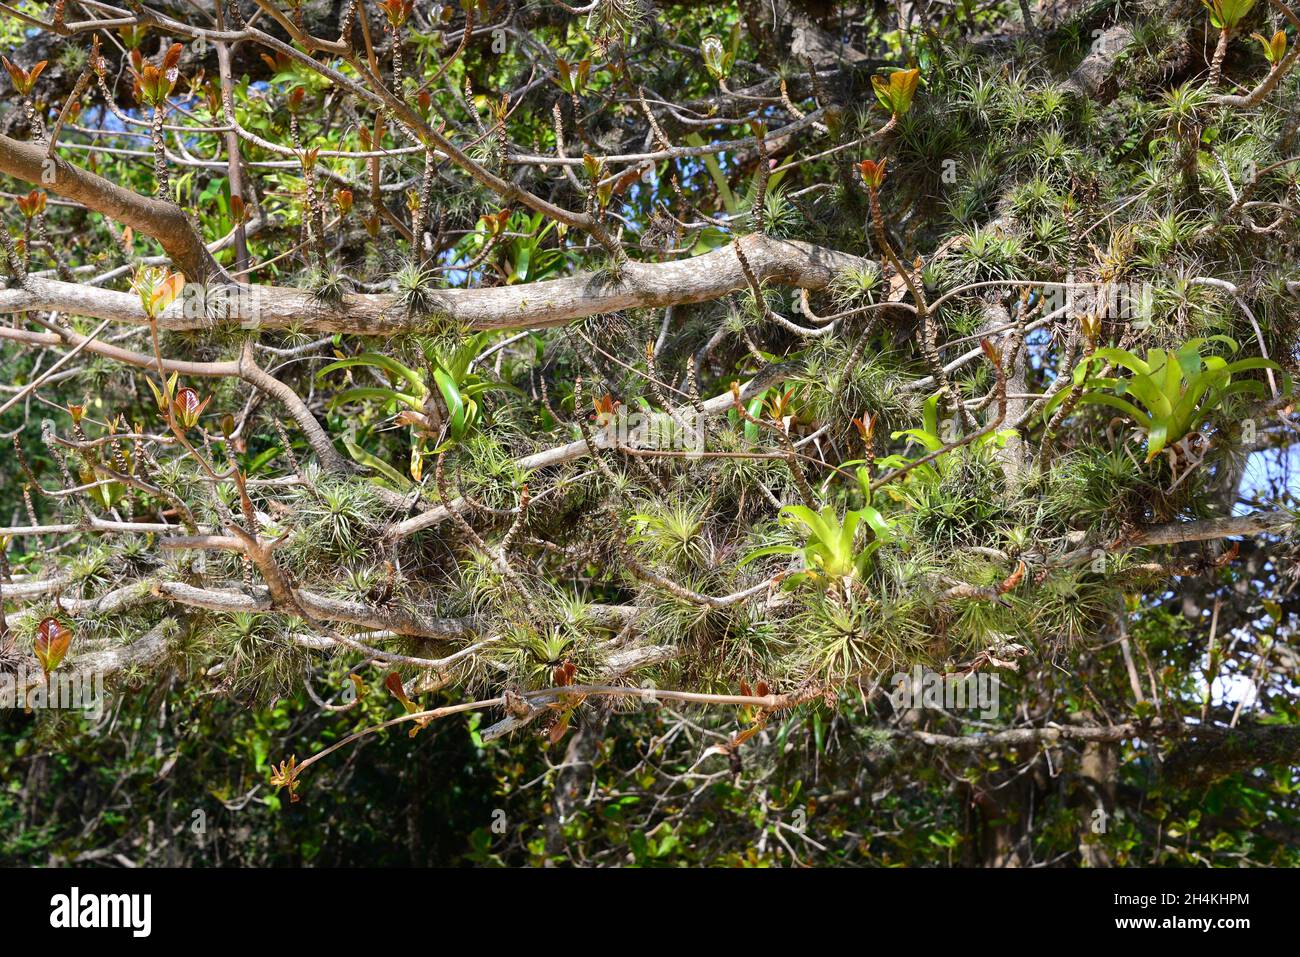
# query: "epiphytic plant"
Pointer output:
{"type": "Point", "coordinates": [1172, 391]}
{"type": "Point", "coordinates": [831, 551]}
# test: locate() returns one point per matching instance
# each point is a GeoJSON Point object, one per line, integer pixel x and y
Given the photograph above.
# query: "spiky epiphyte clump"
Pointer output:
{"type": "Point", "coordinates": [781, 215]}
{"type": "Point", "coordinates": [258, 655]}
{"type": "Point", "coordinates": [843, 379]}
{"type": "Point", "coordinates": [1102, 489]}
{"type": "Point", "coordinates": [327, 286]}
{"type": "Point", "coordinates": [416, 289]}
{"type": "Point", "coordinates": [333, 521]}
{"type": "Point", "coordinates": [856, 284]}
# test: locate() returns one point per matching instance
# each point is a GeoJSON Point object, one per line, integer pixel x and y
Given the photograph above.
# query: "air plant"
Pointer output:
{"type": "Point", "coordinates": [415, 288]}
{"type": "Point", "coordinates": [545, 651]}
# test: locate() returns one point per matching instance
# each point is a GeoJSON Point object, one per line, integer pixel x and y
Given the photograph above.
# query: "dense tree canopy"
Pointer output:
{"type": "Point", "coordinates": [661, 411]}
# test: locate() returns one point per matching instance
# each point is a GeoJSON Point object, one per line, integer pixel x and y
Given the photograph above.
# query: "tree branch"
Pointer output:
{"type": "Point", "coordinates": [159, 219]}
{"type": "Point", "coordinates": [530, 305]}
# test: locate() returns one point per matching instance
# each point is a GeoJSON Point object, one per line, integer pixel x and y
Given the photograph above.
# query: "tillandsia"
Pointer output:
{"type": "Point", "coordinates": [646, 388]}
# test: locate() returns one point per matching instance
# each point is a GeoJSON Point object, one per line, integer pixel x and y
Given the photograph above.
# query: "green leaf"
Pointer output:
{"type": "Point", "coordinates": [719, 178]}
{"type": "Point", "coordinates": [455, 403]}
{"type": "Point", "coordinates": [374, 392]}
{"type": "Point", "coordinates": [878, 523]}
{"type": "Point", "coordinates": [362, 457]}
{"type": "Point", "coordinates": [390, 365]}
{"type": "Point", "coordinates": [261, 460]}
{"type": "Point", "coordinates": [1128, 408]}
{"type": "Point", "coordinates": [770, 550]}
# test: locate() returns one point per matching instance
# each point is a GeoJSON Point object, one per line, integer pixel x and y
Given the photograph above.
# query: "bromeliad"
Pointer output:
{"type": "Point", "coordinates": [442, 407]}
{"type": "Point", "coordinates": [1177, 390]}
{"type": "Point", "coordinates": [932, 437]}
{"type": "Point", "coordinates": [830, 551]}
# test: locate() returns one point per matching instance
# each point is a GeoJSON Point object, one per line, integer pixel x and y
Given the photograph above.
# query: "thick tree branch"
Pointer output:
{"type": "Point", "coordinates": [536, 305]}
{"type": "Point", "coordinates": [159, 219]}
